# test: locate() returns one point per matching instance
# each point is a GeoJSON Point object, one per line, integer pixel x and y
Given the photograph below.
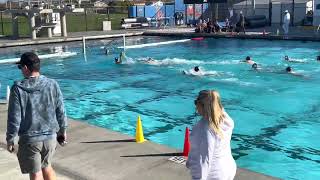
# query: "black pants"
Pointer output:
{"type": "Point", "coordinates": [242, 29]}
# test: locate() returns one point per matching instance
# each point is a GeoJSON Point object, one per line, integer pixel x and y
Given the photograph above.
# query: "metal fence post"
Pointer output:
{"type": "Point", "coordinates": [109, 13]}
{"type": "Point", "coordinates": [2, 30]}
{"type": "Point", "coordinates": [202, 13]}
{"type": "Point", "coordinates": [193, 13]}
{"type": "Point", "coordinates": [185, 13]}
{"type": "Point", "coordinates": [281, 10]}
{"type": "Point", "coordinates": [253, 3]}
{"type": "Point", "coordinates": [292, 13]}
{"type": "Point", "coordinates": [165, 14]}
{"type": "Point", "coordinates": [128, 10]}
{"type": "Point", "coordinates": [246, 8]}
{"type": "Point", "coordinates": [85, 17]}
{"type": "Point", "coordinates": [216, 11]}
{"type": "Point", "coordinates": [270, 13]}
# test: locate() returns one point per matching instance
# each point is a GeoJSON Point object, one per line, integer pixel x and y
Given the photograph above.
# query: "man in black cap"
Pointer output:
{"type": "Point", "coordinates": [36, 113]}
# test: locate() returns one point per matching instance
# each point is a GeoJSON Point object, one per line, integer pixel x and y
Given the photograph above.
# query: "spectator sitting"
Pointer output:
{"type": "Point", "coordinates": [204, 25]}
{"type": "Point", "coordinates": [201, 27]}
{"type": "Point", "coordinates": [209, 27]}
{"type": "Point", "coordinates": [227, 25]}
{"type": "Point", "coordinates": [198, 28]}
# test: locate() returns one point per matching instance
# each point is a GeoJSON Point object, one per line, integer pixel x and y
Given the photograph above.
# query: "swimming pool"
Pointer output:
{"type": "Point", "coordinates": [276, 114]}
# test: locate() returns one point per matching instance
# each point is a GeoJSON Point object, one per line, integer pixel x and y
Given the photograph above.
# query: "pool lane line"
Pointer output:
{"type": "Point", "coordinates": [154, 44]}
{"type": "Point", "coordinates": [43, 56]}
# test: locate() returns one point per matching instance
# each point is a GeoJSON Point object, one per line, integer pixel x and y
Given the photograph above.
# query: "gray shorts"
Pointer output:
{"type": "Point", "coordinates": [35, 156]}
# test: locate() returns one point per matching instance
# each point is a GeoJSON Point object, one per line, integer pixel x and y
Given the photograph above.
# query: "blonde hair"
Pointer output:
{"type": "Point", "coordinates": [212, 109]}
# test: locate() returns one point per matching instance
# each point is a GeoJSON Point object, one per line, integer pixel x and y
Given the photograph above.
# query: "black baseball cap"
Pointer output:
{"type": "Point", "coordinates": [28, 59]}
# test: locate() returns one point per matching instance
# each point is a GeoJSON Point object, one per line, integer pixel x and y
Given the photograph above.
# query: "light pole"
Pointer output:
{"type": "Point", "coordinates": [292, 12]}
{"type": "Point", "coordinates": [270, 12]}
{"type": "Point", "coordinates": [253, 2]}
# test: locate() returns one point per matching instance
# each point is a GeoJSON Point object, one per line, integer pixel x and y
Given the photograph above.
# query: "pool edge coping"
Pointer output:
{"type": "Point", "coordinates": [146, 32]}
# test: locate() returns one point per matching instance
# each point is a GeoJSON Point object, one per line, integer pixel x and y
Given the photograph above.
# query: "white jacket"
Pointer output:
{"type": "Point", "coordinates": [210, 157]}
{"type": "Point", "coordinates": [286, 18]}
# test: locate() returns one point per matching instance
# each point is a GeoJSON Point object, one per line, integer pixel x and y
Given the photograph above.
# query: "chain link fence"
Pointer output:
{"type": "Point", "coordinates": [92, 18]}
{"type": "Point", "coordinates": [273, 11]}
{"type": "Point", "coordinates": [300, 11]}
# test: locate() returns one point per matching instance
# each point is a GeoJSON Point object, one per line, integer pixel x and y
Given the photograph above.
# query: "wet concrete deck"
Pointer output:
{"type": "Point", "coordinates": [297, 34]}
{"type": "Point", "coordinates": [95, 153]}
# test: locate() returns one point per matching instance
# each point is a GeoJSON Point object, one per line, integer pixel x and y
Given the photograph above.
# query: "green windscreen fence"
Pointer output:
{"type": "Point", "coordinates": [90, 20]}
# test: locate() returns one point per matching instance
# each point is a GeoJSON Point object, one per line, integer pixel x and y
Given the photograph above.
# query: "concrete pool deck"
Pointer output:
{"type": "Point", "coordinates": [296, 33]}
{"type": "Point", "coordinates": [76, 36]}
{"type": "Point", "coordinates": [95, 153]}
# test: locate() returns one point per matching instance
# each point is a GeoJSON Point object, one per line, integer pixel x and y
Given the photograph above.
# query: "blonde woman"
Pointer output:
{"type": "Point", "coordinates": [210, 156]}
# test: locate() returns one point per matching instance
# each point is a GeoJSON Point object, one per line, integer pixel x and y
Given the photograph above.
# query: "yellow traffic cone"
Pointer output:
{"type": "Point", "coordinates": [139, 132]}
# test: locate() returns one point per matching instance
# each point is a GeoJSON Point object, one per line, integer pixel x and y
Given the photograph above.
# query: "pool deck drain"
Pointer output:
{"type": "Point", "coordinates": [95, 153]}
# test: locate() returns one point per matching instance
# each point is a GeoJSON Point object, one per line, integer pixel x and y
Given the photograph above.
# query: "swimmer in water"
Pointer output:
{"type": "Point", "coordinates": [107, 52]}
{"type": "Point", "coordinates": [290, 71]}
{"type": "Point", "coordinates": [249, 60]}
{"type": "Point", "coordinates": [198, 71]}
{"type": "Point", "coordinates": [150, 60]}
{"type": "Point", "coordinates": [122, 56]}
{"type": "Point", "coordinates": [286, 58]}
{"type": "Point", "coordinates": [195, 71]}
{"type": "Point", "coordinates": [318, 58]}
{"type": "Point", "coordinates": [117, 60]}
{"type": "Point", "coordinates": [255, 67]}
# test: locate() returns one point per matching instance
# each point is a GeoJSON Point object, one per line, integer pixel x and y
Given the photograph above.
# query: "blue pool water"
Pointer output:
{"type": "Point", "coordinates": [276, 114]}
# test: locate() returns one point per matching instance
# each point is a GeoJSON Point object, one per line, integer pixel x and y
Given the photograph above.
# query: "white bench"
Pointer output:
{"type": "Point", "coordinates": [135, 23]}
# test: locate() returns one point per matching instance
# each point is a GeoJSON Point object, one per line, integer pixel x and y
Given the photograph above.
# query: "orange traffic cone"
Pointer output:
{"type": "Point", "coordinates": [186, 147]}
